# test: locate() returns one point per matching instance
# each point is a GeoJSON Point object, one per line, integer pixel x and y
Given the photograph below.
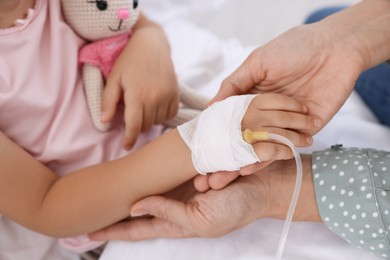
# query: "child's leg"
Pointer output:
{"type": "Point", "coordinates": [373, 85]}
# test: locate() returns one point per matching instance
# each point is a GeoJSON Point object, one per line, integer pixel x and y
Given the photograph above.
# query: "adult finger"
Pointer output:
{"type": "Point", "coordinates": [167, 209]}
{"type": "Point", "coordinates": [140, 229]}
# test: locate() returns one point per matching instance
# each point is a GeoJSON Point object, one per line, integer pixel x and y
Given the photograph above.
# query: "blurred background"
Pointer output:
{"type": "Point", "coordinates": [255, 22]}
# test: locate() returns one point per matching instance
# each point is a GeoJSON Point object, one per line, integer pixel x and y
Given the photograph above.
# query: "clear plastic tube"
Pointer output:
{"type": "Point", "coordinates": [295, 195]}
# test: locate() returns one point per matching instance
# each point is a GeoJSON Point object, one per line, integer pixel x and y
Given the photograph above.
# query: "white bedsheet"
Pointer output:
{"type": "Point", "coordinates": [202, 61]}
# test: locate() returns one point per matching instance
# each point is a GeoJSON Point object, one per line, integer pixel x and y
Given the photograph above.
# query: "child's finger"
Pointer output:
{"type": "Point", "coordinates": [250, 169]}
{"type": "Point", "coordinates": [220, 180]}
{"type": "Point", "coordinates": [161, 114]}
{"type": "Point", "coordinates": [133, 123]}
{"type": "Point", "coordinates": [267, 151]}
{"type": "Point", "coordinates": [166, 111]}
{"type": "Point", "coordinates": [149, 115]}
{"type": "Point", "coordinates": [110, 99]}
{"type": "Point", "coordinates": [273, 101]}
{"type": "Point", "coordinates": [290, 120]}
{"type": "Point", "coordinates": [201, 183]}
{"type": "Point", "coordinates": [215, 181]}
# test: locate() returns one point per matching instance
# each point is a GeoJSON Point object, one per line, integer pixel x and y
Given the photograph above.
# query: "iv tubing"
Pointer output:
{"type": "Point", "coordinates": [294, 198]}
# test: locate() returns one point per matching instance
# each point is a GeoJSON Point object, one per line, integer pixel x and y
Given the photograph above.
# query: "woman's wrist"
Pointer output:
{"type": "Point", "coordinates": [362, 31]}
{"type": "Point", "coordinates": [280, 179]}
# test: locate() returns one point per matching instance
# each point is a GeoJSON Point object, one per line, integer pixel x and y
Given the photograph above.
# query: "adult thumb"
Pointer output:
{"type": "Point", "coordinates": [245, 77]}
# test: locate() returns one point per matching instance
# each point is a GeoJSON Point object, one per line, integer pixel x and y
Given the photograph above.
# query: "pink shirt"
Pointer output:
{"type": "Point", "coordinates": [42, 104]}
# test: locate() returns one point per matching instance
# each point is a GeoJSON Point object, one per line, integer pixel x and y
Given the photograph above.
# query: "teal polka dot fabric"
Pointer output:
{"type": "Point", "coordinates": [353, 195]}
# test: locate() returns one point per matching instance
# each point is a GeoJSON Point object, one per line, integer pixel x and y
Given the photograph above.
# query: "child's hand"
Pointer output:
{"type": "Point", "coordinates": [282, 115]}
{"type": "Point", "coordinates": [272, 113]}
{"type": "Point", "coordinates": [215, 137]}
{"type": "Point", "coordinates": [145, 77]}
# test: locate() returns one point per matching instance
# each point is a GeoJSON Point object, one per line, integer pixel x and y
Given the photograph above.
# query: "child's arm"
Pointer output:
{"type": "Point", "coordinates": [145, 76]}
{"type": "Point", "coordinates": [95, 197]}
{"type": "Point", "coordinates": [90, 198]}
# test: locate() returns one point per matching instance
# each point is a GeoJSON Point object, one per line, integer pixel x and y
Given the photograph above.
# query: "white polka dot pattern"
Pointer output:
{"type": "Point", "coordinates": [353, 196]}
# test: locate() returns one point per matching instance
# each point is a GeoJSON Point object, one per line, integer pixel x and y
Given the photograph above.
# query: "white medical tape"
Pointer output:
{"type": "Point", "coordinates": [215, 137]}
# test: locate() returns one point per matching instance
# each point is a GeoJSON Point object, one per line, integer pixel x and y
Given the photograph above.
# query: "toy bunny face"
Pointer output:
{"type": "Point", "coordinates": [98, 19]}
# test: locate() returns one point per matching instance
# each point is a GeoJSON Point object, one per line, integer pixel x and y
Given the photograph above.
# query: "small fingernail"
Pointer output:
{"type": "Point", "coordinates": [103, 117]}
{"type": "Point", "coordinates": [309, 140]}
{"type": "Point", "coordinates": [317, 123]}
{"type": "Point", "coordinates": [139, 213]}
{"type": "Point", "coordinates": [126, 144]}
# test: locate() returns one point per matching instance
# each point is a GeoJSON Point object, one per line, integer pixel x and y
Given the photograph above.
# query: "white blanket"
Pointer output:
{"type": "Point", "coordinates": [202, 61]}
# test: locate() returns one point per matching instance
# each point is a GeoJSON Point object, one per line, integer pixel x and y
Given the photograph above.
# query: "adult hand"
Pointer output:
{"type": "Point", "coordinates": [191, 215]}
{"type": "Point", "coordinates": [309, 63]}
{"type": "Point", "coordinates": [265, 194]}
{"type": "Point", "coordinates": [316, 64]}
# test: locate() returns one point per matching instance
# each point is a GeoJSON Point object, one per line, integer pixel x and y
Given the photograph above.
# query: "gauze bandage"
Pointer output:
{"type": "Point", "coordinates": [215, 137]}
{"type": "Point", "coordinates": [217, 143]}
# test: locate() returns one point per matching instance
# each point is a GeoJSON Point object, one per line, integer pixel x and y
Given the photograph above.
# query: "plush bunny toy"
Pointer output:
{"type": "Point", "coordinates": [107, 26]}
